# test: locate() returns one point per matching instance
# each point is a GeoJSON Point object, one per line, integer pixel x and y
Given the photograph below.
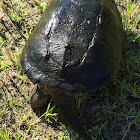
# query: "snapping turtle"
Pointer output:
{"type": "Point", "coordinates": [76, 46]}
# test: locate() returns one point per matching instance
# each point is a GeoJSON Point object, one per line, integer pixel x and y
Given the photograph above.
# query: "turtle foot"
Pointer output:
{"type": "Point", "coordinates": [65, 104]}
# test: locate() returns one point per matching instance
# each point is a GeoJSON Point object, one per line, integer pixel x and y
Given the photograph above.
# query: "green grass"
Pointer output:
{"type": "Point", "coordinates": [116, 106]}
{"type": "Point", "coordinates": [4, 135]}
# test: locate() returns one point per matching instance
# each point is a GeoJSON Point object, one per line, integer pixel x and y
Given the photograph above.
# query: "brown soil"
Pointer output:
{"type": "Point", "coordinates": [15, 112]}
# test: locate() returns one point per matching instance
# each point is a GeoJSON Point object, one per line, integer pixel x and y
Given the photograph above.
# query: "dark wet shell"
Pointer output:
{"type": "Point", "coordinates": [76, 45]}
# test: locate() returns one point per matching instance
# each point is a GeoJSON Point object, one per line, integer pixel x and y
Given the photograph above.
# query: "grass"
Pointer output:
{"type": "Point", "coordinates": [115, 109]}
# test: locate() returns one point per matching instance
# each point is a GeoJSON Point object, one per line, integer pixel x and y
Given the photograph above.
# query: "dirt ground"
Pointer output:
{"type": "Point", "coordinates": [16, 116]}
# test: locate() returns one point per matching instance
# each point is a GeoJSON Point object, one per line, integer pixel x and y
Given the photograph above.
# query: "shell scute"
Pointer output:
{"type": "Point", "coordinates": [76, 45]}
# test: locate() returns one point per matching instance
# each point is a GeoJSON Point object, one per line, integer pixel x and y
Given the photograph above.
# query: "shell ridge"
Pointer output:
{"type": "Point", "coordinates": [93, 40]}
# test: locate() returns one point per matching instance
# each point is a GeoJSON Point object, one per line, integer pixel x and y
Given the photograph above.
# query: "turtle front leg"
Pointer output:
{"type": "Point", "coordinates": [65, 104]}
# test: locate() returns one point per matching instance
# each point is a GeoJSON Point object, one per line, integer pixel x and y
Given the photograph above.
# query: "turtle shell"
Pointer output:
{"type": "Point", "coordinates": [75, 46]}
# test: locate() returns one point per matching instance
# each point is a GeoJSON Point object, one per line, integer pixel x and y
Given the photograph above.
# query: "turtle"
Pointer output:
{"type": "Point", "coordinates": [76, 46]}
